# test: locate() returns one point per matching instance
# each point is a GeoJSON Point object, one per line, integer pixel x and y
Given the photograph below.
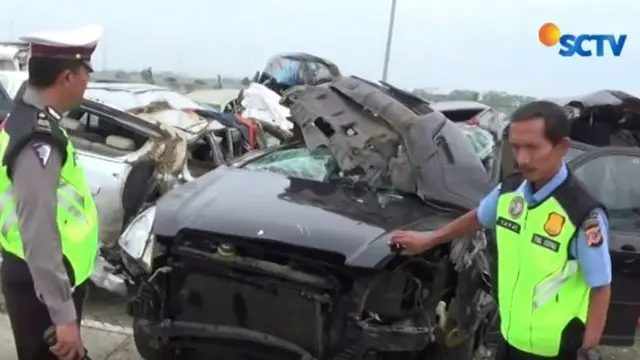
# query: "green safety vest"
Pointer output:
{"type": "Point", "coordinates": [540, 288]}
{"type": "Point", "coordinates": [77, 215]}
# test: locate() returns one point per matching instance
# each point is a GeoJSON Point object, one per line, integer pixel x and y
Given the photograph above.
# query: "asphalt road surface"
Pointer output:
{"type": "Point", "coordinates": [107, 333]}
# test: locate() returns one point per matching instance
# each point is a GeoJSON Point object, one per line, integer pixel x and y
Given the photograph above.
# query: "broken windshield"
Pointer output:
{"type": "Point", "coordinates": [317, 164]}
{"type": "Point", "coordinates": [320, 165]}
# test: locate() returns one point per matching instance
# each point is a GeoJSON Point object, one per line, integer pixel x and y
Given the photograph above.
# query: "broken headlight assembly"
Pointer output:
{"type": "Point", "coordinates": [137, 243]}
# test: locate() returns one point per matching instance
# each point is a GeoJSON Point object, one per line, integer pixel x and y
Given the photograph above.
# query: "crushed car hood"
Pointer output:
{"type": "Point", "coordinates": [263, 205]}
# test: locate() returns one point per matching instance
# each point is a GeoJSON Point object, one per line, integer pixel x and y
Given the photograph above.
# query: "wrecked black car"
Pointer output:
{"type": "Point", "coordinates": [605, 156]}
{"type": "Point", "coordinates": [283, 254]}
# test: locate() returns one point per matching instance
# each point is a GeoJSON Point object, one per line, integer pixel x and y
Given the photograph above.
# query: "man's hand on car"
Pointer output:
{"type": "Point", "coordinates": [68, 342]}
{"type": "Point", "coordinates": [413, 242]}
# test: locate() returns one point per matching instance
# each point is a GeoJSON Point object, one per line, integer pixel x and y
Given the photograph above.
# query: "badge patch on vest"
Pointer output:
{"type": "Point", "coordinates": [516, 207]}
{"type": "Point", "coordinates": [554, 224]}
{"type": "Point", "coordinates": [592, 230]}
{"type": "Point", "coordinates": [508, 224]}
{"type": "Point", "coordinates": [545, 242]}
{"type": "Point", "coordinates": [42, 124]}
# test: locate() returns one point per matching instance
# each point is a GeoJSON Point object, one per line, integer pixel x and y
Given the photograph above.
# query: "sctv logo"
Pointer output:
{"type": "Point", "coordinates": [584, 45]}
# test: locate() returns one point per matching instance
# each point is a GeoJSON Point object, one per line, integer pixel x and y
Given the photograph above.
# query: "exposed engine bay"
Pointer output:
{"type": "Point", "coordinates": [296, 306]}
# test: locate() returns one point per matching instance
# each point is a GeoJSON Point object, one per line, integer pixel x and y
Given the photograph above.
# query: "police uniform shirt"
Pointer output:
{"type": "Point", "coordinates": [591, 252]}
{"type": "Point", "coordinates": [35, 174]}
{"type": "Point", "coordinates": [35, 179]}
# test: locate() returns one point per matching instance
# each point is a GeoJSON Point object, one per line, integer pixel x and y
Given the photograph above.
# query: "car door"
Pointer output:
{"type": "Point", "coordinates": [106, 177]}
{"type": "Point", "coordinates": [611, 175]}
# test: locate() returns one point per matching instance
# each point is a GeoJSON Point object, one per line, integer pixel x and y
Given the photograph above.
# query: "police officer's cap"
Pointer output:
{"type": "Point", "coordinates": [74, 44]}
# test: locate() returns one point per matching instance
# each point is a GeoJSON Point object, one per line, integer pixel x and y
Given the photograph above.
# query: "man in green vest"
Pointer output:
{"type": "Point", "coordinates": [48, 219]}
{"type": "Point", "coordinates": [554, 267]}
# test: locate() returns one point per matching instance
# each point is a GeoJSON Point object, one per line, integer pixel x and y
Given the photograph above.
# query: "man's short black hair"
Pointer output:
{"type": "Point", "coordinates": [556, 123]}
{"type": "Point", "coordinates": [43, 71]}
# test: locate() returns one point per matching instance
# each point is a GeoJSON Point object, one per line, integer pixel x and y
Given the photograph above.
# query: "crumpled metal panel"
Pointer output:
{"type": "Point", "coordinates": [377, 139]}
{"type": "Point", "coordinates": [360, 142]}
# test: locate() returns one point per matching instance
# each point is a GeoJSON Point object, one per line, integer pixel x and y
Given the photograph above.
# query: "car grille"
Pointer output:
{"type": "Point", "coordinates": [211, 292]}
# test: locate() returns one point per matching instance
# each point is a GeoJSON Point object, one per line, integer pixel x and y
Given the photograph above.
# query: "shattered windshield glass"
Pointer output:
{"type": "Point", "coordinates": [317, 164]}
{"type": "Point", "coordinates": [481, 139]}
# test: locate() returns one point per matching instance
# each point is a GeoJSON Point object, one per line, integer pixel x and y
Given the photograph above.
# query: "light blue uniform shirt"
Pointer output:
{"type": "Point", "coordinates": [594, 262]}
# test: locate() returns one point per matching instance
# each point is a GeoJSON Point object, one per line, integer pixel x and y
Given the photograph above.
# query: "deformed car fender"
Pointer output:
{"type": "Point", "coordinates": [377, 253]}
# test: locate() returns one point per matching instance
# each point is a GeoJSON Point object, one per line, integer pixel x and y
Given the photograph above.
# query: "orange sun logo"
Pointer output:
{"type": "Point", "coordinates": [549, 34]}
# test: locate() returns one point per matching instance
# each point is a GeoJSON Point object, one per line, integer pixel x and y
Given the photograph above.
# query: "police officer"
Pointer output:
{"type": "Point", "coordinates": [48, 221]}
{"type": "Point", "coordinates": [553, 262]}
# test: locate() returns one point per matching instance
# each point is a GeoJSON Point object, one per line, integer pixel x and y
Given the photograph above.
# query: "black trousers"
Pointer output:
{"type": "Point", "coordinates": [508, 352]}
{"type": "Point", "coordinates": [28, 315]}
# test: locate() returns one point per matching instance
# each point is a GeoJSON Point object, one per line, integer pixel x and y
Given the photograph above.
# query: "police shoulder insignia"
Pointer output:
{"type": "Point", "coordinates": [43, 152]}
{"type": "Point", "coordinates": [516, 207]}
{"type": "Point", "coordinates": [592, 230]}
{"type": "Point", "coordinates": [43, 124]}
{"type": "Point", "coordinates": [554, 224]}
{"type": "Point", "coordinates": [53, 113]}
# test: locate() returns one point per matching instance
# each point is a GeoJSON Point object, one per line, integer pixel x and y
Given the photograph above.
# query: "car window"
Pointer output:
{"type": "Point", "coordinates": [461, 114]}
{"type": "Point", "coordinates": [480, 139]}
{"type": "Point", "coordinates": [610, 179]}
{"type": "Point", "coordinates": [85, 125]}
{"type": "Point", "coordinates": [317, 164]}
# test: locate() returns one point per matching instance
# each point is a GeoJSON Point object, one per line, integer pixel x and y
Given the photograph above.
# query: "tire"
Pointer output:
{"type": "Point", "coordinates": [146, 350]}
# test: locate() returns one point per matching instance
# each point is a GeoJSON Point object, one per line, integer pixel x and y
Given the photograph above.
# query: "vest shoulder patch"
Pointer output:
{"type": "Point", "coordinates": [43, 152]}
{"type": "Point", "coordinates": [516, 207]}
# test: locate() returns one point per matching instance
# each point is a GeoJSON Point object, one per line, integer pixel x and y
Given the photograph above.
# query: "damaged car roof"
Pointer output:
{"type": "Point", "coordinates": [153, 103]}
{"type": "Point", "coordinates": [127, 96]}
{"type": "Point", "coordinates": [382, 139]}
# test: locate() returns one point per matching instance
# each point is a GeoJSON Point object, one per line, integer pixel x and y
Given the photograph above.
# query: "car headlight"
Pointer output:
{"type": "Point", "coordinates": [137, 240]}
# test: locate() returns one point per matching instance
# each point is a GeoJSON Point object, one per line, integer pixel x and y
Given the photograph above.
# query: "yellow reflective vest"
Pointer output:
{"type": "Point", "coordinates": [540, 286]}
{"type": "Point", "coordinates": [77, 215]}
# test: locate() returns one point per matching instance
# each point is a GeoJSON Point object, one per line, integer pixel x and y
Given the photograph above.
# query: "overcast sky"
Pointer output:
{"type": "Point", "coordinates": [445, 44]}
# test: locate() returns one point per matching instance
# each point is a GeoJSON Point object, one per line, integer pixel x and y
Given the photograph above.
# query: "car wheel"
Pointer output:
{"type": "Point", "coordinates": [145, 347]}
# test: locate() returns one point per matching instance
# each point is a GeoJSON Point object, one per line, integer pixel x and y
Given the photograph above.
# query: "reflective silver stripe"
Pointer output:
{"type": "Point", "coordinates": [8, 223]}
{"type": "Point", "coordinates": [68, 198]}
{"type": "Point", "coordinates": [71, 200]}
{"type": "Point", "coordinates": [551, 286]}
{"type": "Point", "coordinates": [11, 218]}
